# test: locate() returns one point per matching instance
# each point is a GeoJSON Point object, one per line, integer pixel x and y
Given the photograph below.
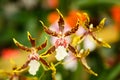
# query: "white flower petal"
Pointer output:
{"type": "Point", "coordinates": [70, 63]}
{"type": "Point", "coordinates": [33, 67]}
{"type": "Point", "coordinates": [61, 53]}
{"type": "Point", "coordinates": [89, 44]}
{"type": "Point", "coordinates": [80, 31]}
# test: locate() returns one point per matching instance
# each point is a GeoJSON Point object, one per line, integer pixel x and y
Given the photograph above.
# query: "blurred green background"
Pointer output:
{"type": "Point", "coordinates": [19, 16]}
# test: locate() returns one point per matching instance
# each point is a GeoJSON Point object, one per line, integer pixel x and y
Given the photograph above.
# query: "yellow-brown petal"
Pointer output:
{"type": "Point", "coordinates": [32, 40]}
{"type": "Point", "coordinates": [49, 51]}
{"type": "Point", "coordinates": [60, 21]}
{"type": "Point", "coordinates": [83, 55]}
{"type": "Point", "coordinates": [87, 68]}
{"type": "Point", "coordinates": [100, 26]}
{"type": "Point", "coordinates": [43, 45]}
{"type": "Point", "coordinates": [48, 31]}
{"type": "Point", "coordinates": [21, 46]}
{"type": "Point", "coordinates": [72, 49]}
{"type": "Point", "coordinates": [101, 42]}
{"type": "Point", "coordinates": [73, 30]}
{"type": "Point", "coordinates": [44, 62]}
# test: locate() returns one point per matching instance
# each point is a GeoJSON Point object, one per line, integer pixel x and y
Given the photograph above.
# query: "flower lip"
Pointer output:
{"type": "Point", "coordinates": [61, 53]}
{"type": "Point", "coordinates": [33, 67]}
{"type": "Point", "coordinates": [61, 42]}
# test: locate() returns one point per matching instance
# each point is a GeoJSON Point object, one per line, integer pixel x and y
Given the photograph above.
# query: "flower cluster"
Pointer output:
{"type": "Point", "coordinates": [62, 47]}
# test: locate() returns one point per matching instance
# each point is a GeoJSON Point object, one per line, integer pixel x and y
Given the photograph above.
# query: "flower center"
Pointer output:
{"type": "Point", "coordinates": [33, 56]}
{"type": "Point", "coordinates": [61, 42]}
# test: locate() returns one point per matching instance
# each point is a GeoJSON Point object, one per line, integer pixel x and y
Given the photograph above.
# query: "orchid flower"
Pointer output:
{"type": "Point", "coordinates": [90, 30]}
{"type": "Point", "coordinates": [34, 59]}
{"type": "Point", "coordinates": [81, 55]}
{"type": "Point", "coordinates": [61, 43]}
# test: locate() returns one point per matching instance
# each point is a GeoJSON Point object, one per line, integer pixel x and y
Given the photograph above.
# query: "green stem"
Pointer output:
{"type": "Point", "coordinates": [40, 78]}
{"type": "Point", "coordinates": [114, 73]}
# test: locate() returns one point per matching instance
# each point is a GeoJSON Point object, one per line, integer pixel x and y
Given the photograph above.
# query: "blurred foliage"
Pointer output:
{"type": "Point", "coordinates": [19, 16]}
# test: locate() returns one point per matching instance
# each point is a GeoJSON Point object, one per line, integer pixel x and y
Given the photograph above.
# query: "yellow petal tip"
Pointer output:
{"type": "Point", "coordinates": [59, 12]}
{"type": "Point", "coordinates": [42, 23]}
{"type": "Point", "coordinates": [15, 41]}
{"type": "Point", "coordinates": [28, 33]}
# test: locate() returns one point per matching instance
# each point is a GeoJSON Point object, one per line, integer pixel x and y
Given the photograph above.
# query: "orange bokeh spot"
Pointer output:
{"type": "Point", "coordinates": [115, 12]}
{"type": "Point", "coordinates": [73, 18]}
{"type": "Point", "coordinates": [9, 53]}
{"type": "Point", "coordinates": [52, 17]}
{"type": "Point", "coordinates": [53, 3]}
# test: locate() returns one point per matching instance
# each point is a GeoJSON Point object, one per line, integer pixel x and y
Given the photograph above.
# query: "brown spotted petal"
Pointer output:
{"type": "Point", "coordinates": [15, 68]}
{"type": "Point", "coordinates": [73, 30]}
{"type": "Point", "coordinates": [21, 46]}
{"type": "Point", "coordinates": [44, 62]}
{"type": "Point", "coordinates": [101, 42]}
{"type": "Point", "coordinates": [100, 26]}
{"type": "Point", "coordinates": [81, 38]}
{"type": "Point", "coordinates": [32, 40]}
{"type": "Point", "coordinates": [84, 62]}
{"type": "Point", "coordinates": [50, 51]}
{"type": "Point", "coordinates": [48, 31]}
{"type": "Point", "coordinates": [72, 49]}
{"type": "Point", "coordinates": [24, 66]}
{"type": "Point", "coordinates": [60, 21]}
{"type": "Point", "coordinates": [43, 45]}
